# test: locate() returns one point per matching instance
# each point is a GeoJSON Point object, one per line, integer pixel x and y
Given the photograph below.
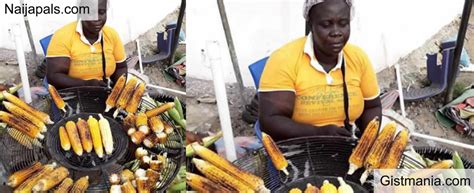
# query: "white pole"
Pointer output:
{"type": "Point", "coordinates": [446, 141]}
{"type": "Point", "coordinates": [22, 62]}
{"type": "Point", "coordinates": [166, 89]}
{"type": "Point", "coordinates": [400, 90]}
{"type": "Point", "coordinates": [139, 56]}
{"type": "Point", "coordinates": [221, 97]}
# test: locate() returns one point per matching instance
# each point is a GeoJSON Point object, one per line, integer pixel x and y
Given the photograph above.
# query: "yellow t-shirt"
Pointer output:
{"type": "Point", "coordinates": [319, 95]}
{"type": "Point", "coordinates": [86, 59]}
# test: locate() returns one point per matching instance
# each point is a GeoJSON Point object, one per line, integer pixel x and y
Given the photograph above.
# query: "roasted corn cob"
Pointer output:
{"type": "Point", "coordinates": [168, 128]}
{"type": "Point", "coordinates": [140, 152]}
{"type": "Point", "coordinates": [114, 179]}
{"type": "Point", "coordinates": [115, 93]}
{"type": "Point", "coordinates": [116, 188]}
{"type": "Point", "coordinates": [40, 115]}
{"type": "Point", "coordinates": [107, 138]}
{"type": "Point", "coordinates": [254, 182]}
{"type": "Point", "coordinates": [156, 124]}
{"type": "Point", "coordinates": [74, 138]}
{"type": "Point", "coordinates": [151, 140]}
{"type": "Point", "coordinates": [162, 138]}
{"type": "Point", "coordinates": [327, 187]}
{"type": "Point", "coordinates": [127, 175]}
{"type": "Point", "coordinates": [27, 186]}
{"type": "Point", "coordinates": [57, 99]}
{"type": "Point", "coordinates": [158, 110]}
{"type": "Point", "coordinates": [53, 179]}
{"type": "Point", "coordinates": [343, 186]}
{"type": "Point", "coordinates": [137, 137]}
{"type": "Point", "coordinates": [96, 136]}
{"type": "Point", "coordinates": [311, 189]}
{"type": "Point", "coordinates": [275, 154]}
{"type": "Point", "coordinates": [129, 121]}
{"type": "Point", "coordinates": [20, 137]}
{"type": "Point", "coordinates": [156, 165]}
{"type": "Point", "coordinates": [434, 169]}
{"type": "Point", "coordinates": [392, 159]}
{"type": "Point", "coordinates": [153, 176]}
{"type": "Point", "coordinates": [21, 125]}
{"type": "Point", "coordinates": [295, 190]}
{"type": "Point", "coordinates": [142, 185]}
{"type": "Point", "coordinates": [65, 186]}
{"type": "Point", "coordinates": [81, 185]}
{"type": "Point", "coordinates": [126, 92]}
{"type": "Point", "coordinates": [142, 123]}
{"type": "Point", "coordinates": [131, 131]}
{"type": "Point", "coordinates": [21, 175]}
{"type": "Point", "coordinates": [85, 135]}
{"type": "Point", "coordinates": [217, 175]}
{"type": "Point", "coordinates": [357, 158]}
{"type": "Point", "coordinates": [134, 102]}
{"type": "Point", "coordinates": [24, 115]}
{"type": "Point", "coordinates": [379, 149]}
{"type": "Point", "coordinates": [204, 185]}
{"type": "Point", "coordinates": [127, 187]}
{"type": "Point", "coordinates": [64, 139]}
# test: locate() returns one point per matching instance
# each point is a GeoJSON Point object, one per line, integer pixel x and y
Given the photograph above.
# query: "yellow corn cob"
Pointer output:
{"type": "Point", "coordinates": [131, 131]}
{"type": "Point", "coordinates": [81, 185]}
{"type": "Point", "coordinates": [140, 152]}
{"type": "Point", "coordinates": [21, 175]}
{"type": "Point", "coordinates": [162, 137]}
{"type": "Point", "coordinates": [254, 182]}
{"type": "Point", "coordinates": [379, 149]}
{"type": "Point", "coordinates": [107, 138]}
{"type": "Point", "coordinates": [96, 136]}
{"type": "Point", "coordinates": [142, 123]}
{"type": "Point", "coordinates": [53, 179]}
{"type": "Point", "coordinates": [217, 175]}
{"type": "Point", "coordinates": [327, 187]}
{"type": "Point", "coordinates": [74, 138]}
{"type": "Point", "coordinates": [142, 185]}
{"type": "Point", "coordinates": [115, 93]}
{"type": "Point", "coordinates": [114, 179]}
{"type": "Point", "coordinates": [392, 159]}
{"type": "Point", "coordinates": [204, 185]}
{"type": "Point", "coordinates": [137, 137]}
{"type": "Point", "coordinates": [311, 189]}
{"type": "Point", "coordinates": [20, 137]}
{"type": "Point", "coordinates": [434, 169]}
{"type": "Point", "coordinates": [153, 176]}
{"type": "Point", "coordinates": [27, 186]}
{"type": "Point", "coordinates": [40, 115]}
{"type": "Point", "coordinates": [129, 121]}
{"type": "Point", "coordinates": [115, 188]}
{"type": "Point", "coordinates": [275, 154]}
{"type": "Point", "coordinates": [24, 115]}
{"type": "Point", "coordinates": [56, 98]}
{"type": "Point", "coordinates": [158, 110]}
{"type": "Point", "coordinates": [156, 165]}
{"type": "Point", "coordinates": [134, 102]}
{"type": "Point", "coordinates": [343, 186]}
{"type": "Point", "coordinates": [168, 128]}
{"type": "Point", "coordinates": [126, 93]}
{"type": "Point", "coordinates": [127, 187]}
{"type": "Point", "coordinates": [65, 186]}
{"type": "Point", "coordinates": [445, 164]}
{"type": "Point", "coordinates": [64, 139]}
{"type": "Point", "coordinates": [156, 124]}
{"type": "Point", "coordinates": [151, 140]}
{"type": "Point", "coordinates": [295, 190]}
{"type": "Point", "coordinates": [357, 158]}
{"type": "Point", "coordinates": [21, 125]}
{"type": "Point", "coordinates": [127, 175]}
{"type": "Point", "coordinates": [84, 133]}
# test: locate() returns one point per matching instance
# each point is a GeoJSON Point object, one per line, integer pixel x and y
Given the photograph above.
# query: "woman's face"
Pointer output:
{"type": "Point", "coordinates": [330, 26]}
{"type": "Point", "coordinates": [94, 27]}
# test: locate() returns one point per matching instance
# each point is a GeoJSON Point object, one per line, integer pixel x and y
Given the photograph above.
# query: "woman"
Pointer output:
{"type": "Point", "coordinates": [302, 89]}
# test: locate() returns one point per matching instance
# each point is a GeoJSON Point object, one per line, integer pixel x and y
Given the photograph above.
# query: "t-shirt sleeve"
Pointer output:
{"type": "Point", "coordinates": [278, 74]}
{"type": "Point", "coordinates": [369, 85]}
{"type": "Point", "coordinates": [119, 49]}
{"type": "Point", "coordinates": [59, 46]}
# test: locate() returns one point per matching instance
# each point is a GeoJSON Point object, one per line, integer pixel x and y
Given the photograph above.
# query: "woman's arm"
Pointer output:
{"type": "Point", "coordinates": [57, 74]}
{"type": "Point", "coordinates": [275, 112]}
{"type": "Point", "coordinates": [120, 69]}
{"type": "Point", "coordinates": [372, 109]}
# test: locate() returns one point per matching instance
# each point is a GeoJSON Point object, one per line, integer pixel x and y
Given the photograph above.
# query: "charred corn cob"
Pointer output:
{"type": "Point", "coordinates": [24, 115]}
{"type": "Point", "coordinates": [27, 186]}
{"type": "Point", "coordinates": [74, 138]}
{"type": "Point", "coordinates": [138, 137]}
{"type": "Point", "coordinates": [392, 159]}
{"type": "Point", "coordinates": [127, 175]}
{"type": "Point", "coordinates": [115, 93]}
{"type": "Point", "coordinates": [168, 128]}
{"type": "Point", "coordinates": [142, 185]}
{"type": "Point", "coordinates": [21, 125]}
{"type": "Point", "coordinates": [127, 187]}
{"type": "Point", "coordinates": [142, 123]}
{"type": "Point", "coordinates": [156, 165]}
{"type": "Point", "coordinates": [85, 135]}
{"type": "Point", "coordinates": [217, 175]}
{"type": "Point", "coordinates": [96, 136]}
{"type": "Point", "coordinates": [40, 115]}
{"type": "Point", "coordinates": [295, 190]}
{"type": "Point", "coordinates": [158, 110]}
{"type": "Point", "coordinates": [156, 124]}
{"type": "Point", "coordinates": [311, 189]}
{"type": "Point", "coordinates": [129, 121]}
{"type": "Point", "coordinates": [140, 152]}
{"type": "Point", "coordinates": [343, 186]}
{"type": "Point", "coordinates": [65, 186]}
{"type": "Point", "coordinates": [153, 176]}
{"type": "Point", "coordinates": [134, 102]}
{"type": "Point", "coordinates": [127, 92]}
{"type": "Point", "coordinates": [57, 99]}
{"type": "Point", "coordinates": [357, 158]}
{"type": "Point", "coordinates": [20, 176]}
{"type": "Point", "coordinates": [275, 154]}
{"type": "Point", "coordinates": [204, 185]}
{"type": "Point", "coordinates": [107, 138]}
{"type": "Point", "coordinates": [20, 137]}
{"type": "Point", "coordinates": [116, 188]}
{"type": "Point", "coordinates": [379, 149]}
{"type": "Point", "coordinates": [81, 185]}
{"type": "Point", "coordinates": [131, 131]}
{"type": "Point", "coordinates": [254, 182]}
{"type": "Point", "coordinates": [327, 187]}
{"type": "Point", "coordinates": [64, 139]}
{"type": "Point", "coordinates": [162, 137]}
{"type": "Point", "coordinates": [114, 179]}
{"type": "Point", "coordinates": [53, 179]}
{"type": "Point", "coordinates": [151, 140]}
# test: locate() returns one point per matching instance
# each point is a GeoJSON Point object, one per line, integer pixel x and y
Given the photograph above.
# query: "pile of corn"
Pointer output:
{"type": "Point", "coordinates": [26, 123]}
{"type": "Point", "coordinates": [149, 131]}
{"type": "Point", "coordinates": [220, 175]}
{"type": "Point", "coordinates": [327, 187]}
{"type": "Point", "coordinates": [143, 175]}
{"type": "Point", "coordinates": [378, 151]}
{"type": "Point", "coordinates": [83, 136]}
{"type": "Point", "coordinates": [43, 178]}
